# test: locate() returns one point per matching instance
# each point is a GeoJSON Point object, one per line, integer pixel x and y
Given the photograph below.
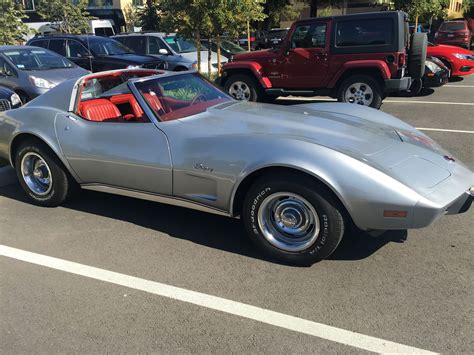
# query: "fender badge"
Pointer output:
{"type": "Point", "coordinates": [448, 158]}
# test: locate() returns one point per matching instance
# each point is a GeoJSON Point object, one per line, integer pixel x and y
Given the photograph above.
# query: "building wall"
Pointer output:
{"type": "Point", "coordinates": [455, 9]}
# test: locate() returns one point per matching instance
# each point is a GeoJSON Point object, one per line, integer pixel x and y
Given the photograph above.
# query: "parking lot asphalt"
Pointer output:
{"type": "Point", "coordinates": [414, 288]}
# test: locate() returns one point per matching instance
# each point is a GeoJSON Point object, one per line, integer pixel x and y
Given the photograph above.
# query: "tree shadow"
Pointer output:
{"type": "Point", "coordinates": [209, 230]}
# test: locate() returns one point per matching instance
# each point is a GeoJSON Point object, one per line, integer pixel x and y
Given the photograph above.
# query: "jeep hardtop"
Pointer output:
{"type": "Point", "coordinates": [354, 58]}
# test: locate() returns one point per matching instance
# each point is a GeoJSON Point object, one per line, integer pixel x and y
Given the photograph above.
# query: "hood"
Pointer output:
{"type": "Point", "coordinates": [132, 58]}
{"type": "Point", "coordinates": [368, 135]}
{"type": "Point", "coordinates": [265, 53]}
{"type": "Point", "coordinates": [57, 76]}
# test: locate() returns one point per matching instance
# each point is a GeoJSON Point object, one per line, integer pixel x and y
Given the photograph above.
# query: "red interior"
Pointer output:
{"type": "Point", "coordinates": [99, 110]}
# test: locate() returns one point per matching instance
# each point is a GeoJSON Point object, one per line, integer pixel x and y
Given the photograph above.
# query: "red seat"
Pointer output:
{"type": "Point", "coordinates": [154, 103]}
{"type": "Point", "coordinates": [130, 99]}
{"type": "Point", "coordinates": [99, 110]}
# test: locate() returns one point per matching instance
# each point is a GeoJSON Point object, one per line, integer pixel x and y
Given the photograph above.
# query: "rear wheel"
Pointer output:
{"type": "Point", "coordinates": [362, 90]}
{"type": "Point", "coordinates": [292, 219]}
{"type": "Point", "coordinates": [243, 87]}
{"type": "Point", "coordinates": [42, 175]}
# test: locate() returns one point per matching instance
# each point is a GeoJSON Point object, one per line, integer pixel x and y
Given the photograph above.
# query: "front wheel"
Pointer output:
{"type": "Point", "coordinates": [361, 90]}
{"type": "Point", "coordinates": [243, 87]}
{"type": "Point", "coordinates": [292, 219]}
{"type": "Point", "coordinates": [42, 175]}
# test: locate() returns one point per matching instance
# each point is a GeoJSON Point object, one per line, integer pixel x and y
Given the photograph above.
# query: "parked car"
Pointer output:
{"type": "Point", "coordinates": [436, 75]}
{"type": "Point", "coordinates": [97, 27]}
{"type": "Point", "coordinates": [228, 48]}
{"type": "Point", "coordinates": [258, 40]}
{"type": "Point", "coordinates": [298, 176]}
{"type": "Point", "coordinates": [95, 53]}
{"type": "Point", "coordinates": [459, 60]}
{"type": "Point", "coordinates": [276, 36]}
{"type": "Point", "coordinates": [456, 33]}
{"type": "Point", "coordinates": [32, 71]}
{"type": "Point", "coordinates": [187, 49]}
{"type": "Point", "coordinates": [354, 58]}
{"type": "Point", "coordinates": [154, 44]}
{"type": "Point", "coordinates": [9, 99]}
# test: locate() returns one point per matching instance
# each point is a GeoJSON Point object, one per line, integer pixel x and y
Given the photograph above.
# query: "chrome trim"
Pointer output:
{"type": "Point", "coordinates": [174, 201]}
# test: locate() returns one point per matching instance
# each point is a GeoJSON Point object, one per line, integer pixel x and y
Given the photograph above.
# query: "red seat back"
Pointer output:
{"type": "Point", "coordinates": [99, 110]}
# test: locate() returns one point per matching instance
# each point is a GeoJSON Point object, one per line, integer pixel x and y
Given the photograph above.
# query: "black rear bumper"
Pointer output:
{"type": "Point", "coordinates": [394, 85]}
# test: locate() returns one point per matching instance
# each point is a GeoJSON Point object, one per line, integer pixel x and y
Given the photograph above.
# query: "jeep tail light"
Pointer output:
{"type": "Point", "coordinates": [401, 59]}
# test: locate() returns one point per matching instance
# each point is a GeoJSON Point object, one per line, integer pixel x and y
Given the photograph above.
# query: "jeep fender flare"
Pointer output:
{"type": "Point", "coordinates": [254, 67]}
{"type": "Point", "coordinates": [378, 65]}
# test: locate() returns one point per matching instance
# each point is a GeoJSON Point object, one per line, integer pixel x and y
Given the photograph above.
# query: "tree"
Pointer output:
{"type": "Point", "coordinates": [132, 17]}
{"type": "Point", "coordinates": [422, 9]}
{"type": "Point", "coordinates": [12, 29]}
{"type": "Point", "coordinates": [65, 16]}
{"type": "Point", "coordinates": [274, 10]}
{"type": "Point", "coordinates": [149, 16]}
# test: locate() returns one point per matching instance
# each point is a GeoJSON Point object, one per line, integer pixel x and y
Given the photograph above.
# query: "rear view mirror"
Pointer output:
{"type": "Point", "coordinates": [163, 51]}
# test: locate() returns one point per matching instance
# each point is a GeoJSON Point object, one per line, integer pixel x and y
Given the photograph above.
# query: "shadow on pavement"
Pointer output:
{"type": "Point", "coordinates": [198, 227]}
{"type": "Point", "coordinates": [456, 79]}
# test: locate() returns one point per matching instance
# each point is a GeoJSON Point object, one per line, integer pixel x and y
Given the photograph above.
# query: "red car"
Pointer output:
{"type": "Point", "coordinates": [456, 33]}
{"type": "Point", "coordinates": [459, 60]}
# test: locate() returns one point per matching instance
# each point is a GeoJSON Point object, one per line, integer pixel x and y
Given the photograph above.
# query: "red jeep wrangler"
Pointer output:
{"type": "Point", "coordinates": [354, 58]}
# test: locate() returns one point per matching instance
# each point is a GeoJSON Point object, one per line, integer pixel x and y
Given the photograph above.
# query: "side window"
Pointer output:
{"type": "Point", "coordinates": [76, 50]}
{"type": "Point", "coordinates": [137, 44]}
{"type": "Point", "coordinates": [155, 44]}
{"type": "Point", "coordinates": [309, 36]}
{"type": "Point", "coordinates": [40, 43]}
{"type": "Point", "coordinates": [58, 46]}
{"type": "Point", "coordinates": [364, 33]}
{"type": "Point", "coordinates": [5, 68]}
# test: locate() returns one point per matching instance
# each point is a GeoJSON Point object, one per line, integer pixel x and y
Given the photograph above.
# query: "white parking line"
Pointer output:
{"type": "Point", "coordinates": [428, 102]}
{"type": "Point", "coordinates": [443, 130]}
{"type": "Point", "coordinates": [296, 324]}
{"type": "Point", "coordinates": [459, 86]}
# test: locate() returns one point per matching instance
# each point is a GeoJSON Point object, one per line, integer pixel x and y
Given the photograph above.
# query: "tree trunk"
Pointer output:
{"type": "Point", "coordinates": [209, 58]}
{"type": "Point", "coordinates": [313, 8]}
{"type": "Point", "coordinates": [416, 24]}
{"type": "Point", "coordinates": [218, 43]}
{"type": "Point", "coordinates": [198, 48]}
{"type": "Point", "coordinates": [248, 35]}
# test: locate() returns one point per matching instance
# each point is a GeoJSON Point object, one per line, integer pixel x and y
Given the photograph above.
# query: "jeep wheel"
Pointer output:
{"type": "Point", "coordinates": [243, 87]}
{"type": "Point", "coordinates": [361, 90]}
{"type": "Point", "coordinates": [417, 55]}
{"type": "Point", "coordinates": [292, 219]}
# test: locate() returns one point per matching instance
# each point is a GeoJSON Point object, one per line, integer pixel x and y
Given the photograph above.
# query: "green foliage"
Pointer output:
{"type": "Point", "coordinates": [149, 17]}
{"type": "Point", "coordinates": [12, 29]}
{"type": "Point", "coordinates": [64, 16]}
{"type": "Point", "coordinates": [423, 9]}
{"type": "Point", "coordinates": [468, 8]}
{"type": "Point", "coordinates": [275, 10]}
{"type": "Point", "coordinates": [132, 17]}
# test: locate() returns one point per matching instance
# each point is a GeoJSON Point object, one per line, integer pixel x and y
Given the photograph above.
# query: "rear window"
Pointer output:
{"type": "Point", "coordinates": [364, 33]}
{"type": "Point", "coordinates": [452, 26]}
{"type": "Point", "coordinates": [40, 43]}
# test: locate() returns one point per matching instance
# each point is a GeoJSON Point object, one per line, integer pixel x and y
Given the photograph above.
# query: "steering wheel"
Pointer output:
{"type": "Point", "coordinates": [198, 98]}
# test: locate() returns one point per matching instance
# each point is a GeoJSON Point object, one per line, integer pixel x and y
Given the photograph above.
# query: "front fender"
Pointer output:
{"type": "Point", "coordinates": [379, 65]}
{"type": "Point", "coordinates": [254, 67]}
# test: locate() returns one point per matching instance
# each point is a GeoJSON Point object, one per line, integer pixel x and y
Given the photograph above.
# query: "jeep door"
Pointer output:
{"type": "Point", "coordinates": [305, 63]}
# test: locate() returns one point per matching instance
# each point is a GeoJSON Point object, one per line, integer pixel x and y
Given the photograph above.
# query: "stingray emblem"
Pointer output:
{"type": "Point", "coordinates": [202, 167]}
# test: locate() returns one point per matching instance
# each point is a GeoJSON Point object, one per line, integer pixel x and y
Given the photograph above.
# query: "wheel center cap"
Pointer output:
{"type": "Point", "coordinates": [38, 173]}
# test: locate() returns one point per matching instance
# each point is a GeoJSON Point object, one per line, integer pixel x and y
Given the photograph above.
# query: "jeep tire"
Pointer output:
{"type": "Point", "coordinates": [361, 89]}
{"type": "Point", "coordinates": [417, 55]}
{"type": "Point", "coordinates": [244, 87]}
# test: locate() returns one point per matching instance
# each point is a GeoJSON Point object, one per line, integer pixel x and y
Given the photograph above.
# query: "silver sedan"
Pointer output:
{"type": "Point", "coordinates": [298, 177]}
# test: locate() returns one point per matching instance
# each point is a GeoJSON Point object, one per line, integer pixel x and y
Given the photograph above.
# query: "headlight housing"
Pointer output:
{"type": "Point", "coordinates": [15, 100]}
{"type": "Point", "coordinates": [41, 83]}
{"type": "Point", "coordinates": [133, 67]}
{"type": "Point", "coordinates": [432, 66]}
{"type": "Point", "coordinates": [463, 56]}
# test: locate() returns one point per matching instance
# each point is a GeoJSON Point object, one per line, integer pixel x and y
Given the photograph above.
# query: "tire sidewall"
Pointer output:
{"type": "Point", "coordinates": [367, 80]}
{"type": "Point", "coordinates": [250, 82]}
{"type": "Point", "coordinates": [328, 220]}
{"type": "Point", "coordinates": [59, 188]}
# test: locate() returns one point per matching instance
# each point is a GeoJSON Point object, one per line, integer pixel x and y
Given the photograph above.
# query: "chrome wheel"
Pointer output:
{"type": "Point", "coordinates": [359, 93]}
{"type": "Point", "coordinates": [240, 91]}
{"type": "Point", "coordinates": [288, 221]}
{"type": "Point", "coordinates": [36, 174]}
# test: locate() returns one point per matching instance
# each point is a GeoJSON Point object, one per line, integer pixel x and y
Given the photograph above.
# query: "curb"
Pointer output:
{"type": "Point", "coordinates": [7, 176]}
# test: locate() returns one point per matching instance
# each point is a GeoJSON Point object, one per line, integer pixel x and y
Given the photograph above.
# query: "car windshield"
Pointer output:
{"type": "Point", "coordinates": [231, 47]}
{"type": "Point", "coordinates": [106, 46]}
{"type": "Point", "coordinates": [37, 59]}
{"type": "Point", "coordinates": [452, 26]}
{"type": "Point", "coordinates": [179, 96]}
{"type": "Point", "coordinates": [181, 45]}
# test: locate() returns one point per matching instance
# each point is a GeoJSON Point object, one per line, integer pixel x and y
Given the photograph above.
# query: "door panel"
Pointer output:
{"type": "Point", "coordinates": [129, 155]}
{"type": "Point", "coordinates": [306, 62]}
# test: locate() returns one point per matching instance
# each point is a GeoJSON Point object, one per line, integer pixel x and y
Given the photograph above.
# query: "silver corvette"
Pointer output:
{"type": "Point", "coordinates": [298, 176]}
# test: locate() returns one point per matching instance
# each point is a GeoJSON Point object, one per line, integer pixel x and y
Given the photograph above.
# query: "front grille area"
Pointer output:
{"type": "Point", "coordinates": [5, 105]}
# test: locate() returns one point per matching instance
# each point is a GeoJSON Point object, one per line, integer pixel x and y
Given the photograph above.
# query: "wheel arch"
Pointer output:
{"type": "Point", "coordinates": [276, 170]}
{"type": "Point", "coordinates": [372, 72]}
{"type": "Point", "coordinates": [252, 69]}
